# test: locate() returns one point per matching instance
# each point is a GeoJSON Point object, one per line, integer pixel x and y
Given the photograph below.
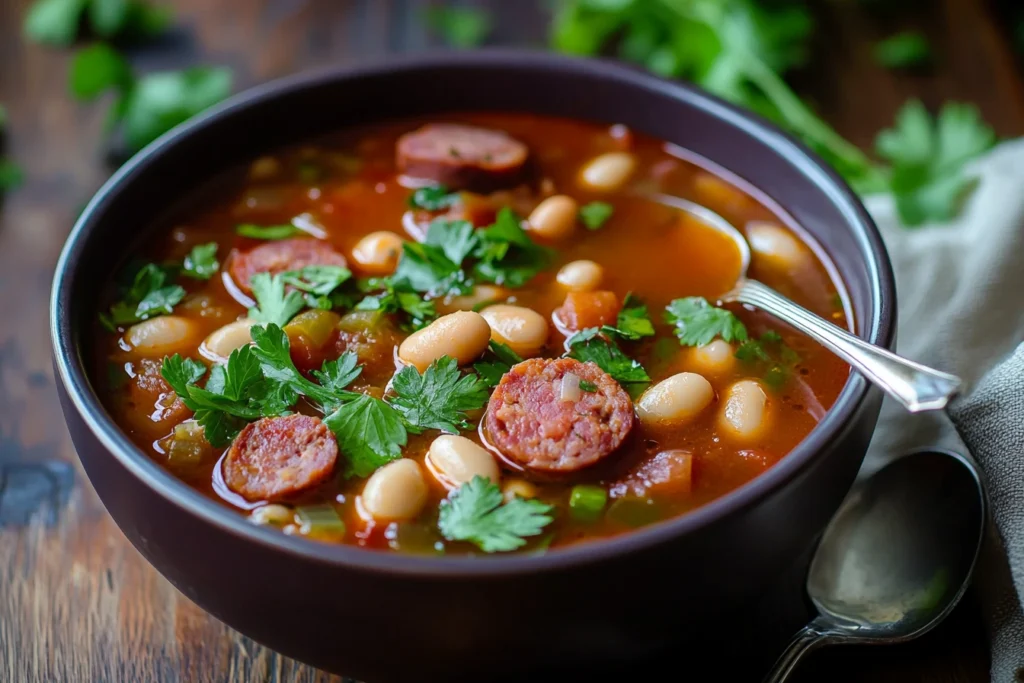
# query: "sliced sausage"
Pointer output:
{"type": "Point", "coordinates": [153, 399]}
{"type": "Point", "coordinates": [463, 157]}
{"type": "Point", "coordinates": [534, 425]}
{"type": "Point", "coordinates": [277, 457]}
{"type": "Point", "coordinates": [280, 256]}
{"type": "Point", "coordinates": [667, 473]}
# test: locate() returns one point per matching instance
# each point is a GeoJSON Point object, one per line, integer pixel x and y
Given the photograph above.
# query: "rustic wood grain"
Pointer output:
{"type": "Point", "coordinates": [77, 603]}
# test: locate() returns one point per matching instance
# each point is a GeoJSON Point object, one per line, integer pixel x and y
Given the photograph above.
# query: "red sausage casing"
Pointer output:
{"type": "Point", "coordinates": [463, 157]}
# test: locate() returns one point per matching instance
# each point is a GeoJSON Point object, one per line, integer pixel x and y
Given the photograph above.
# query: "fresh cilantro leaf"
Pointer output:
{"type": "Point", "coordinates": [507, 254]}
{"type": "Point", "coordinates": [633, 322]}
{"type": "Point", "coordinates": [474, 513]}
{"type": "Point", "coordinates": [370, 433]}
{"type": "Point", "coordinates": [267, 232]}
{"type": "Point", "coordinates": [160, 101]}
{"type": "Point", "coordinates": [906, 49]}
{"type": "Point", "coordinates": [928, 177]}
{"type": "Point", "coordinates": [697, 322]}
{"type": "Point", "coordinates": [335, 375]}
{"type": "Point", "coordinates": [234, 394]}
{"type": "Point", "coordinates": [490, 371]}
{"type": "Point", "coordinates": [437, 399]}
{"type": "Point", "coordinates": [460, 27]}
{"type": "Point", "coordinates": [426, 268]}
{"type": "Point", "coordinates": [433, 198]}
{"type": "Point", "coordinates": [397, 297]}
{"type": "Point", "coordinates": [96, 69]}
{"type": "Point", "coordinates": [201, 263]}
{"type": "Point", "coordinates": [457, 239]}
{"type": "Point", "coordinates": [272, 348]}
{"type": "Point", "coordinates": [595, 214]}
{"type": "Point", "coordinates": [320, 280]}
{"type": "Point", "coordinates": [273, 305]}
{"type": "Point", "coordinates": [54, 22]}
{"type": "Point", "coordinates": [589, 345]}
{"type": "Point", "coordinates": [148, 295]}
{"type": "Point", "coordinates": [587, 386]}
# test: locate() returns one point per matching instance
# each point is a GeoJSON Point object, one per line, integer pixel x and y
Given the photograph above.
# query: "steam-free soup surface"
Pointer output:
{"type": "Point", "coordinates": [477, 334]}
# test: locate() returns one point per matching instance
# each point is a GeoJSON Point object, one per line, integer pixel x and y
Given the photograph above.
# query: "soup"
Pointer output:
{"type": "Point", "coordinates": [485, 334]}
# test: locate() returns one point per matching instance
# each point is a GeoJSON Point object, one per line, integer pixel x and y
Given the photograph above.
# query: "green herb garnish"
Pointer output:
{"type": "Point", "coordinates": [772, 354]}
{"type": "Point", "coordinates": [697, 322]}
{"type": "Point", "coordinates": [507, 256]}
{"type": "Point", "coordinates": [902, 50]}
{"type": "Point", "coordinates": [491, 371]}
{"type": "Point", "coordinates": [149, 295]}
{"type": "Point", "coordinates": [439, 398]}
{"type": "Point", "coordinates": [590, 345]}
{"type": "Point", "coordinates": [201, 263]}
{"type": "Point", "coordinates": [433, 198]}
{"type": "Point", "coordinates": [633, 323]}
{"type": "Point", "coordinates": [595, 214]}
{"type": "Point", "coordinates": [474, 513]}
{"type": "Point", "coordinates": [589, 387]}
{"type": "Point", "coordinates": [319, 280]}
{"type": "Point", "coordinates": [267, 232]}
{"type": "Point", "coordinates": [273, 304]}
{"type": "Point", "coordinates": [369, 432]}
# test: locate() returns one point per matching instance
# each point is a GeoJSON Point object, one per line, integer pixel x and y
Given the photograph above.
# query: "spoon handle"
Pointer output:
{"type": "Point", "coordinates": [916, 386]}
{"type": "Point", "coordinates": [803, 642]}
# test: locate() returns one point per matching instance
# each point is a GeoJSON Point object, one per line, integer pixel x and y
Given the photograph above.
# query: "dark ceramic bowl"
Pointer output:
{"type": "Point", "coordinates": [388, 617]}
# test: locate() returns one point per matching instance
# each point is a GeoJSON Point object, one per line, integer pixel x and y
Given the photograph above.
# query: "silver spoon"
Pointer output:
{"type": "Point", "coordinates": [896, 558]}
{"type": "Point", "coordinates": [915, 386]}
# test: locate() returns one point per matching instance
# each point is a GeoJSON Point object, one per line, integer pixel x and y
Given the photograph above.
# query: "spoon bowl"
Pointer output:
{"type": "Point", "coordinates": [915, 386]}
{"type": "Point", "coordinates": [896, 558]}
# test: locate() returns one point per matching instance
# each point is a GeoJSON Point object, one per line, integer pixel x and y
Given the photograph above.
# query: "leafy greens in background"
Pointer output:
{"type": "Point", "coordinates": [461, 27]}
{"type": "Point", "coordinates": [740, 51]}
{"type": "Point", "coordinates": [62, 22]}
{"type": "Point", "coordinates": [145, 107]}
{"type": "Point", "coordinates": [10, 174]}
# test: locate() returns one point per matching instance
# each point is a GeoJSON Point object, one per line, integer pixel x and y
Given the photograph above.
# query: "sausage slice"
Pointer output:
{"type": "Point", "coordinates": [278, 257]}
{"type": "Point", "coordinates": [463, 157]}
{"type": "Point", "coordinates": [277, 457]}
{"type": "Point", "coordinates": [533, 426]}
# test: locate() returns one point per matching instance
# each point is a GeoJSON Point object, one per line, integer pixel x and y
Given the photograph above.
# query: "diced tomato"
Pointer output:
{"type": "Point", "coordinates": [666, 474]}
{"type": "Point", "coordinates": [587, 309]}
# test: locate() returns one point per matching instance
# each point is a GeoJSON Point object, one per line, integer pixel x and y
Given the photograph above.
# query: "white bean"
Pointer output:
{"type": "Point", "coordinates": [775, 245]}
{"type": "Point", "coordinates": [396, 491]}
{"type": "Point", "coordinates": [455, 460]}
{"type": "Point", "coordinates": [462, 335]}
{"type": "Point", "coordinates": [554, 218]}
{"type": "Point", "coordinates": [518, 487]}
{"type": "Point", "coordinates": [277, 515]}
{"type": "Point", "coordinates": [221, 342]}
{"type": "Point", "coordinates": [714, 358]}
{"type": "Point", "coordinates": [675, 400]}
{"type": "Point", "coordinates": [745, 411]}
{"type": "Point", "coordinates": [378, 252]}
{"type": "Point", "coordinates": [580, 276]}
{"type": "Point", "coordinates": [523, 329]}
{"type": "Point", "coordinates": [161, 336]}
{"type": "Point", "coordinates": [608, 172]}
{"type": "Point", "coordinates": [481, 294]}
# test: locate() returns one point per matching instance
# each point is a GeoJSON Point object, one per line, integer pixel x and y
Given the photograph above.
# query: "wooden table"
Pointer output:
{"type": "Point", "coordinates": [77, 602]}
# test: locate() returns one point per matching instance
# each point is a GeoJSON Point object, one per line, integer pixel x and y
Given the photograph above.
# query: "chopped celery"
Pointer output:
{"type": "Point", "coordinates": [320, 521]}
{"type": "Point", "coordinates": [314, 327]}
{"type": "Point", "coordinates": [586, 502]}
{"type": "Point", "coordinates": [188, 445]}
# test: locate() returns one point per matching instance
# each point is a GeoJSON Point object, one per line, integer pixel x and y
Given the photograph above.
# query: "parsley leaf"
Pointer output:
{"type": "Point", "coordinates": [272, 348]}
{"type": "Point", "coordinates": [426, 268]}
{"type": "Point", "coordinates": [697, 322]}
{"type": "Point", "coordinates": [369, 432]}
{"type": "Point", "coordinates": [507, 254]}
{"type": "Point", "coordinates": [201, 263]}
{"type": "Point", "coordinates": [928, 157]}
{"type": "Point", "coordinates": [460, 27]}
{"type": "Point", "coordinates": [906, 49]}
{"type": "Point", "coordinates": [595, 214]}
{"type": "Point", "coordinates": [267, 232]}
{"type": "Point", "coordinates": [474, 512]}
{"type": "Point", "coordinates": [589, 345]}
{"type": "Point", "coordinates": [148, 296]}
{"type": "Point", "coordinates": [397, 297]}
{"type": "Point", "coordinates": [457, 239]}
{"type": "Point", "coordinates": [772, 354]}
{"type": "Point", "coordinates": [273, 305]}
{"type": "Point", "coordinates": [633, 321]}
{"type": "Point", "coordinates": [587, 386]}
{"type": "Point", "coordinates": [437, 399]}
{"type": "Point", "coordinates": [433, 198]}
{"type": "Point", "coordinates": [491, 372]}
{"type": "Point", "coordinates": [320, 280]}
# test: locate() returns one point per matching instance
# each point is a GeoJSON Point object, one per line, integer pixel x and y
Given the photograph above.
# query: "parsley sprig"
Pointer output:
{"type": "Point", "coordinates": [201, 262]}
{"type": "Point", "coordinates": [433, 198]}
{"type": "Point", "coordinates": [151, 293]}
{"type": "Point", "coordinates": [633, 322]}
{"type": "Point", "coordinates": [591, 345]}
{"type": "Point", "coordinates": [474, 512]}
{"type": "Point", "coordinates": [697, 322]}
{"type": "Point", "coordinates": [595, 214]}
{"type": "Point", "coordinates": [491, 371]}
{"type": "Point", "coordinates": [439, 398]}
{"type": "Point", "coordinates": [274, 304]}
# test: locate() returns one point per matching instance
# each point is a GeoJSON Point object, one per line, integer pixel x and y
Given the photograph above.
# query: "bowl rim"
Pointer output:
{"type": "Point", "coordinates": [879, 328]}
